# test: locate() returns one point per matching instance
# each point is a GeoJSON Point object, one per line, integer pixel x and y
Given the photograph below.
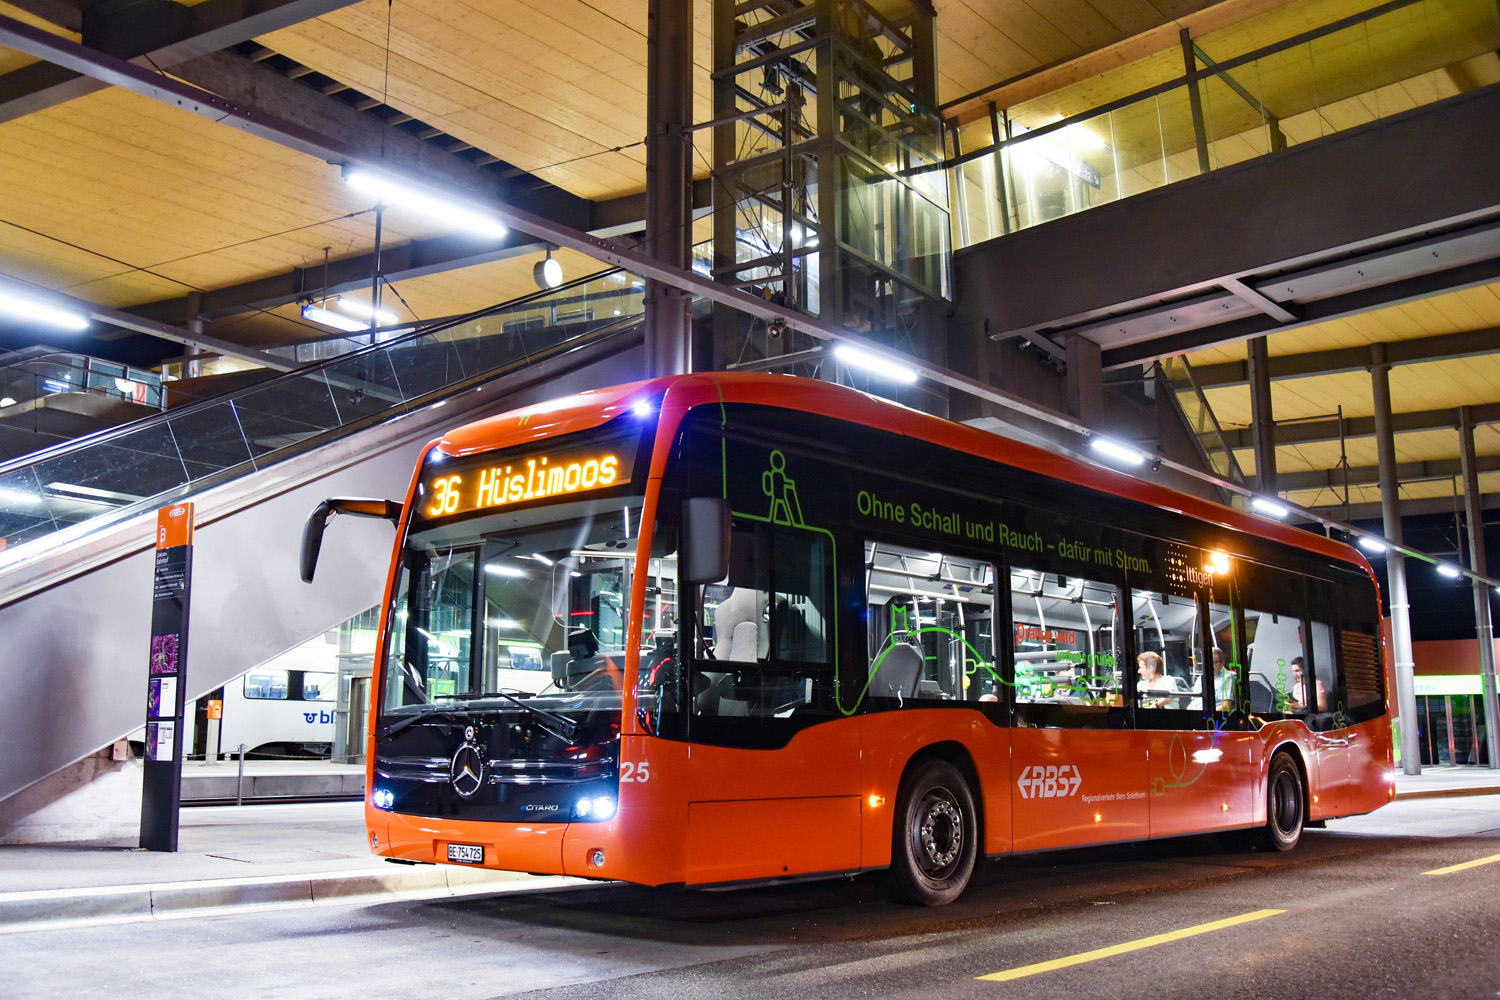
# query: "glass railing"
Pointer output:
{"type": "Point", "coordinates": [35, 372]}
{"type": "Point", "coordinates": [586, 301]}
{"type": "Point", "coordinates": [1079, 147]}
{"type": "Point", "coordinates": [62, 491]}
{"type": "Point", "coordinates": [1217, 456]}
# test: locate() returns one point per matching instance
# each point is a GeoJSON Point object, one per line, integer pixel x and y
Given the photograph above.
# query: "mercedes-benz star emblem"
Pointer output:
{"type": "Point", "coordinates": [467, 771]}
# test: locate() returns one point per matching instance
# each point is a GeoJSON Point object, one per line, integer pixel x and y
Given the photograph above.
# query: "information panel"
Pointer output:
{"type": "Point", "coordinates": [161, 790]}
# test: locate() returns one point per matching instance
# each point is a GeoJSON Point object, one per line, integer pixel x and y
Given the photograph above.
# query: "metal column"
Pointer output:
{"type": "Point", "coordinates": [1262, 421]}
{"type": "Point", "coordinates": [1483, 626]}
{"type": "Point", "coordinates": [669, 180]}
{"type": "Point", "coordinates": [1397, 601]}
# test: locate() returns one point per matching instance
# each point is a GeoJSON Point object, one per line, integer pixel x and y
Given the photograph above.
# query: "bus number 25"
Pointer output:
{"type": "Point", "coordinates": [630, 771]}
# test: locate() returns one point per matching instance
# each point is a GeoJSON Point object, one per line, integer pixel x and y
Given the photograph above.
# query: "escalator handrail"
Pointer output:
{"type": "Point", "coordinates": [305, 371]}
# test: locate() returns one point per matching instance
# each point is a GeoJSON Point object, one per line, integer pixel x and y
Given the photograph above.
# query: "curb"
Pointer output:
{"type": "Point", "coordinates": [37, 909]}
{"type": "Point", "coordinates": [1447, 793]}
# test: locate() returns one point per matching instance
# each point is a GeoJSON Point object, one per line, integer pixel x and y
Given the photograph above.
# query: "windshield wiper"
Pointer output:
{"type": "Point", "coordinates": [426, 712]}
{"type": "Point", "coordinates": [548, 719]}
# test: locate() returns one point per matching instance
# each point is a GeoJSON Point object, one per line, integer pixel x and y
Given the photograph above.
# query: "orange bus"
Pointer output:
{"type": "Point", "coordinates": [721, 628]}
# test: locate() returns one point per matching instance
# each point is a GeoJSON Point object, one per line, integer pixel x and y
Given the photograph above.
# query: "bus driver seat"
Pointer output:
{"type": "Point", "coordinates": [736, 634]}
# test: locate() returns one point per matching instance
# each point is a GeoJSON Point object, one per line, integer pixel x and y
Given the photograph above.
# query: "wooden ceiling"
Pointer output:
{"type": "Point", "coordinates": [121, 200]}
{"type": "Point", "coordinates": [1430, 385]}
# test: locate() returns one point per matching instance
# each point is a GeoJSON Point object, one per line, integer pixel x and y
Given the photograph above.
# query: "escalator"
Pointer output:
{"type": "Point", "coordinates": [77, 521]}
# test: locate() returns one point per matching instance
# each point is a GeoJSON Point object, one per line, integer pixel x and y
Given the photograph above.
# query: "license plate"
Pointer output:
{"type": "Point", "coordinates": [468, 854]}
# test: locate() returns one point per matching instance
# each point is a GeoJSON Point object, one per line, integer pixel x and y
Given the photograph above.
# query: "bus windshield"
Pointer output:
{"type": "Point", "coordinates": [530, 603]}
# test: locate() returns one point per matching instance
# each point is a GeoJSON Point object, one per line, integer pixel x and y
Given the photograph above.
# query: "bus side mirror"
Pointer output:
{"type": "Point", "coordinates": [312, 531]}
{"type": "Point", "coordinates": [705, 540]}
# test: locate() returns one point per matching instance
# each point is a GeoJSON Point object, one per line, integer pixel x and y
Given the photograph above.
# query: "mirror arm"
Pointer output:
{"type": "Point", "coordinates": [312, 531]}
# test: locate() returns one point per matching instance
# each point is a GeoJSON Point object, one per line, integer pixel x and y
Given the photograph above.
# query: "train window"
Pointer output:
{"type": "Point", "coordinates": [318, 686]}
{"type": "Point", "coordinates": [929, 626]}
{"type": "Point", "coordinates": [269, 685]}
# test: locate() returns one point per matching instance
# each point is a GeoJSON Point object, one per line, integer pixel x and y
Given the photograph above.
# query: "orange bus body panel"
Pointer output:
{"type": "Point", "coordinates": [827, 801]}
{"type": "Point", "coordinates": [893, 738]}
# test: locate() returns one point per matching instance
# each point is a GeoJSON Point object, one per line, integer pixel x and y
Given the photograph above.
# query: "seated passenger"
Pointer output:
{"type": "Point", "coordinates": [1152, 681]}
{"type": "Point", "coordinates": [1298, 700]}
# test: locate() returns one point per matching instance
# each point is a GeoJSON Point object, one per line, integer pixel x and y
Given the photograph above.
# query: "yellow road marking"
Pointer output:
{"type": "Point", "coordinates": [1467, 864]}
{"type": "Point", "coordinates": [1128, 946]}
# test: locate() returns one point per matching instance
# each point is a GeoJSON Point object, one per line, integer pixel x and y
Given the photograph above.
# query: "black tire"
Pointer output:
{"type": "Point", "coordinates": [935, 836]}
{"type": "Point", "coordinates": [1286, 805]}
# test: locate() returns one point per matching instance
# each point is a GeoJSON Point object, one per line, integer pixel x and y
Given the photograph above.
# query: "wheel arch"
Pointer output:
{"type": "Point", "coordinates": [958, 755]}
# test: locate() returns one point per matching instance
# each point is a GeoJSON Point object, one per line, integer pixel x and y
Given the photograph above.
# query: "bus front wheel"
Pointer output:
{"type": "Point", "coordinates": [935, 841]}
{"type": "Point", "coordinates": [1286, 806]}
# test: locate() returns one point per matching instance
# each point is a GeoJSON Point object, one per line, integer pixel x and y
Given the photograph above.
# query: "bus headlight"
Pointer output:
{"type": "Point", "coordinates": [383, 798]}
{"type": "Point", "coordinates": [598, 808]}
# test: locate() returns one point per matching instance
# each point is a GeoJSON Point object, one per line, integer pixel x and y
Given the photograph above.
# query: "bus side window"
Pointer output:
{"type": "Point", "coordinates": [930, 626]}
{"type": "Point", "coordinates": [1275, 639]}
{"type": "Point", "coordinates": [1066, 636]}
{"type": "Point", "coordinates": [1168, 670]}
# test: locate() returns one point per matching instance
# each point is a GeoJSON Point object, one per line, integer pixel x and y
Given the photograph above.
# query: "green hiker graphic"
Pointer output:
{"type": "Point", "coordinates": [782, 490]}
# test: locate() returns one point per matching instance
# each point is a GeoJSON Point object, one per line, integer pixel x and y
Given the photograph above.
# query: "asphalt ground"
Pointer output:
{"type": "Point", "coordinates": [1351, 912]}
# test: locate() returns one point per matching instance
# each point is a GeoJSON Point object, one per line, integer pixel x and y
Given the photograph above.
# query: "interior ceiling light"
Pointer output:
{"type": "Point", "coordinates": [547, 273]}
{"type": "Point", "coordinates": [26, 308]}
{"type": "Point", "coordinates": [1270, 508]}
{"type": "Point", "coordinates": [1114, 451]}
{"type": "Point", "coordinates": [438, 208]}
{"type": "Point", "coordinates": [337, 320]}
{"type": "Point", "coordinates": [854, 357]}
{"type": "Point", "coordinates": [1373, 545]}
{"type": "Point", "coordinates": [362, 309]}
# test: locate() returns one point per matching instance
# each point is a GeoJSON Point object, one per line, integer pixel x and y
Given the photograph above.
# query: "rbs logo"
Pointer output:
{"type": "Point", "coordinates": [1049, 781]}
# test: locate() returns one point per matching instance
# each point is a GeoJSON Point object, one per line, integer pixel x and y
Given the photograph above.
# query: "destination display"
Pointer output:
{"type": "Point", "coordinates": [512, 478]}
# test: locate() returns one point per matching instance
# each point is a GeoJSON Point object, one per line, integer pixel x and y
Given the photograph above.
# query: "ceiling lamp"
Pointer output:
{"type": "Point", "coordinates": [547, 273]}
{"type": "Point", "coordinates": [1270, 508]}
{"type": "Point", "coordinates": [26, 308]}
{"type": "Point", "coordinates": [1114, 451]}
{"type": "Point", "coordinates": [854, 357]}
{"type": "Point", "coordinates": [439, 208]}
{"type": "Point", "coordinates": [362, 309]}
{"type": "Point", "coordinates": [337, 320]}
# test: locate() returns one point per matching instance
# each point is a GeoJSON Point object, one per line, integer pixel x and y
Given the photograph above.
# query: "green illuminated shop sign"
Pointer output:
{"type": "Point", "coordinates": [1448, 684]}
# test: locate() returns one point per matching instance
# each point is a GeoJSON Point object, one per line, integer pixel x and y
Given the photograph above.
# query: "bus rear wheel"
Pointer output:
{"type": "Point", "coordinates": [1286, 806]}
{"type": "Point", "coordinates": [935, 840]}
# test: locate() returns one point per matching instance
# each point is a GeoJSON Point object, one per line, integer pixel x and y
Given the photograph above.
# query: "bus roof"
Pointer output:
{"type": "Point", "coordinates": [679, 393]}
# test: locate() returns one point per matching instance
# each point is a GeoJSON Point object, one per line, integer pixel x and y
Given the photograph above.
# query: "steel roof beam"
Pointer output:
{"type": "Point", "coordinates": [1409, 508]}
{"type": "Point", "coordinates": [159, 33]}
{"type": "Point", "coordinates": [166, 331]}
{"type": "Point", "coordinates": [1308, 431]}
{"type": "Point", "coordinates": [1444, 347]}
{"type": "Point", "coordinates": [1369, 475]}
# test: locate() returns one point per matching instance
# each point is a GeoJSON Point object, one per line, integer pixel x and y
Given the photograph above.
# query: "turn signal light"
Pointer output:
{"type": "Point", "coordinates": [876, 801]}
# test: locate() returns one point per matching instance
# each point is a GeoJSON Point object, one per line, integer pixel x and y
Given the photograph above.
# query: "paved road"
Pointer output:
{"type": "Point", "coordinates": [1349, 914]}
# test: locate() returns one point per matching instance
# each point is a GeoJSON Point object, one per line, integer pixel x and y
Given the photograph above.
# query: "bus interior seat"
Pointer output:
{"type": "Point", "coordinates": [581, 659]}
{"type": "Point", "coordinates": [1262, 695]}
{"type": "Point", "coordinates": [930, 689]}
{"type": "Point", "coordinates": [735, 628]}
{"type": "Point", "coordinates": [899, 672]}
{"type": "Point", "coordinates": [712, 686]}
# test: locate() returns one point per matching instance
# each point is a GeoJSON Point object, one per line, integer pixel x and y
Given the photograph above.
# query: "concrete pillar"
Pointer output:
{"type": "Point", "coordinates": [1262, 420]}
{"type": "Point", "coordinates": [1085, 381]}
{"type": "Point", "coordinates": [669, 180]}
{"type": "Point", "coordinates": [1482, 623]}
{"type": "Point", "coordinates": [1397, 601]}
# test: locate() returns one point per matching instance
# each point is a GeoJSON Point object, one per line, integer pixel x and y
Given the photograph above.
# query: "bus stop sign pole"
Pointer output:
{"type": "Point", "coordinates": [161, 788]}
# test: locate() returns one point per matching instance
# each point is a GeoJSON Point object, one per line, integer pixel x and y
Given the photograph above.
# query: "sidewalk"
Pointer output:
{"type": "Point", "coordinates": [1438, 782]}
{"type": "Point", "coordinates": [229, 857]}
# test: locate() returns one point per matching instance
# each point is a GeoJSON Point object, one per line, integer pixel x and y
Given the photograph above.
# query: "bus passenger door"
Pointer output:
{"type": "Point", "coordinates": [774, 769]}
